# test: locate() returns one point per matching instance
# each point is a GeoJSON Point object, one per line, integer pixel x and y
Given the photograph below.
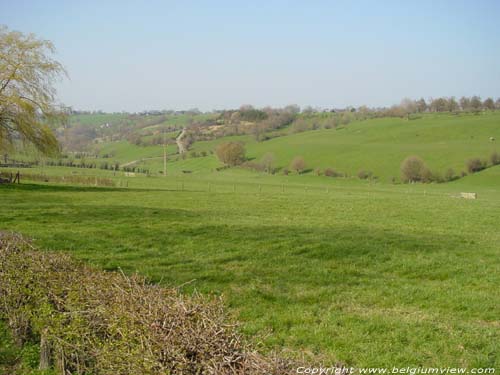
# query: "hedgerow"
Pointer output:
{"type": "Point", "coordinates": [88, 321]}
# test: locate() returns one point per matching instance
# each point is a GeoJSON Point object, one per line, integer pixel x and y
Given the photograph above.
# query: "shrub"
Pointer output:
{"type": "Point", "coordinates": [475, 165]}
{"type": "Point", "coordinates": [286, 171]}
{"type": "Point", "coordinates": [318, 172]}
{"type": "Point", "coordinates": [330, 172]}
{"type": "Point", "coordinates": [298, 164]}
{"type": "Point", "coordinates": [231, 153]}
{"type": "Point", "coordinates": [449, 175]}
{"type": "Point", "coordinates": [427, 175]}
{"type": "Point", "coordinates": [253, 166]}
{"type": "Point", "coordinates": [495, 158]}
{"type": "Point", "coordinates": [412, 169]}
{"type": "Point", "coordinates": [364, 175]}
{"type": "Point", "coordinates": [95, 322]}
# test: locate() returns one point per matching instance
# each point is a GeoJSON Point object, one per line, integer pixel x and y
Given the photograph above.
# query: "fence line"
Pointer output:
{"type": "Point", "coordinates": [216, 187]}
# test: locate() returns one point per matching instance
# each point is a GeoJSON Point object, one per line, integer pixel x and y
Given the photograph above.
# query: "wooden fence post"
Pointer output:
{"type": "Point", "coordinates": [44, 351]}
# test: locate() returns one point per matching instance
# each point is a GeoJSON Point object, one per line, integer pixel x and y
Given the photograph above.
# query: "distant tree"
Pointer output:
{"type": "Point", "coordinates": [308, 110]}
{"type": "Point", "coordinates": [475, 103]}
{"type": "Point", "coordinates": [292, 108]}
{"type": "Point", "coordinates": [452, 104]}
{"type": "Point", "coordinates": [408, 106]}
{"type": "Point", "coordinates": [250, 114]}
{"type": "Point", "coordinates": [475, 165]}
{"type": "Point", "coordinates": [421, 105]}
{"type": "Point", "coordinates": [231, 153]}
{"type": "Point", "coordinates": [298, 164]}
{"type": "Point", "coordinates": [495, 158]}
{"type": "Point", "coordinates": [489, 104]}
{"type": "Point", "coordinates": [497, 104]}
{"type": "Point", "coordinates": [413, 169]}
{"type": "Point", "coordinates": [27, 95]}
{"type": "Point", "coordinates": [134, 138]}
{"type": "Point", "coordinates": [439, 105]}
{"type": "Point", "coordinates": [268, 161]}
{"type": "Point", "coordinates": [465, 103]}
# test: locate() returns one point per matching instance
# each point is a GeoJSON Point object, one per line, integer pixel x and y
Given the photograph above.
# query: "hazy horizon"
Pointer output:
{"type": "Point", "coordinates": [133, 56]}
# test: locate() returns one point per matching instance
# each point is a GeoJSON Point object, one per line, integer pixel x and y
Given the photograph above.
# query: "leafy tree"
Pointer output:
{"type": "Point", "coordinates": [231, 153]}
{"type": "Point", "coordinates": [27, 95]}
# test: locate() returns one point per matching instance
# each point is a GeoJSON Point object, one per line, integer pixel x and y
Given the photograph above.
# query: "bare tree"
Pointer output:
{"type": "Point", "coordinates": [231, 153]}
{"type": "Point", "coordinates": [268, 161]}
{"type": "Point", "coordinates": [413, 169]}
{"type": "Point", "coordinates": [298, 164]}
{"type": "Point", "coordinates": [464, 103]}
{"type": "Point", "coordinates": [476, 103]}
{"type": "Point", "coordinates": [489, 104]}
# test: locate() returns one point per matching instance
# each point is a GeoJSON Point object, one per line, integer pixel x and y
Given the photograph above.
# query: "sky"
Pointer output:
{"type": "Point", "coordinates": [139, 55]}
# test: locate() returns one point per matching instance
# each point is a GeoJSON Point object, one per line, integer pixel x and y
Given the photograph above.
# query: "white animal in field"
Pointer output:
{"type": "Point", "coordinates": [469, 195]}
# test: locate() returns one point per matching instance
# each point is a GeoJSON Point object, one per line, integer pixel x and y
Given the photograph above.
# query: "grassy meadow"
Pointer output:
{"type": "Point", "coordinates": [366, 272]}
{"type": "Point", "coordinates": [378, 145]}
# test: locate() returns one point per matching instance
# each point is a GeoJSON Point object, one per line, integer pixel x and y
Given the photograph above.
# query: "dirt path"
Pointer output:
{"type": "Point", "coordinates": [137, 161]}
{"type": "Point", "coordinates": [180, 146]}
{"type": "Point", "coordinates": [178, 140]}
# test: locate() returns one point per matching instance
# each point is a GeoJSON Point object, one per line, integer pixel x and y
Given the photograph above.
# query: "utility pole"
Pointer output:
{"type": "Point", "coordinates": [164, 155]}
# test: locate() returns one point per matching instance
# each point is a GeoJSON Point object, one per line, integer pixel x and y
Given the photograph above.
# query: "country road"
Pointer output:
{"type": "Point", "coordinates": [180, 146]}
{"type": "Point", "coordinates": [178, 140]}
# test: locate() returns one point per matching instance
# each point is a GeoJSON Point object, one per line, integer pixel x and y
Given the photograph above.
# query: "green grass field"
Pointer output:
{"type": "Point", "coordinates": [379, 145]}
{"type": "Point", "coordinates": [367, 274]}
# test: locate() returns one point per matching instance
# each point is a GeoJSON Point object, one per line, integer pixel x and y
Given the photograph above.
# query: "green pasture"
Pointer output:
{"type": "Point", "coordinates": [366, 273]}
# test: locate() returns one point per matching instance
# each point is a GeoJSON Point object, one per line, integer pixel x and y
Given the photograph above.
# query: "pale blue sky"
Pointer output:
{"type": "Point", "coordinates": [135, 55]}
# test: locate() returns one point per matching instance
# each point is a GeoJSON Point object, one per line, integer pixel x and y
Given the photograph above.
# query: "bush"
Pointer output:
{"type": "Point", "coordinates": [95, 322]}
{"type": "Point", "coordinates": [413, 169]}
{"type": "Point", "coordinates": [286, 171]}
{"type": "Point", "coordinates": [495, 158]}
{"type": "Point", "coordinates": [330, 172]}
{"type": "Point", "coordinates": [364, 175]}
{"type": "Point", "coordinates": [449, 175]}
{"type": "Point", "coordinates": [253, 166]}
{"type": "Point", "coordinates": [318, 172]}
{"type": "Point", "coordinates": [231, 153]}
{"type": "Point", "coordinates": [475, 165]}
{"type": "Point", "coordinates": [427, 175]}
